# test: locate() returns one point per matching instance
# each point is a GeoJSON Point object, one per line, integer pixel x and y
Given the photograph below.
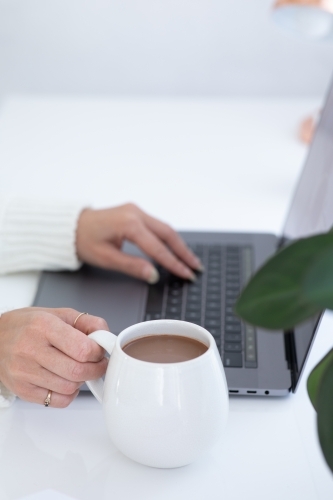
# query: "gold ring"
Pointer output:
{"type": "Point", "coordinates": [79, 316]}
{"type": "Point", "coordinates": [47, 401]}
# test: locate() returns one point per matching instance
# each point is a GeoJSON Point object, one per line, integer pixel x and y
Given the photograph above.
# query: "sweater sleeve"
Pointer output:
{"type": "Point", "coordinates": [36, 235]}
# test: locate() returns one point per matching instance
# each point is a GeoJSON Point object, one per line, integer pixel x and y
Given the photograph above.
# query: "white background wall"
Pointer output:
{"type": "Point", "coordinates": [158, 47]}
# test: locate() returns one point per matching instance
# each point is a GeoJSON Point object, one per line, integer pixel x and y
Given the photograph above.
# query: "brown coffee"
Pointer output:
{"type": "Point", "coordinates": [164, 348]}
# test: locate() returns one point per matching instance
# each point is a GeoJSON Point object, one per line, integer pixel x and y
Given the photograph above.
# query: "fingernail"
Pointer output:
{"type": "Point", "coordinates": [152, 276]}
{"type": "Point", "coordinates": [198, 264]}
{"type": "Point", "coordinates": [191, 276]}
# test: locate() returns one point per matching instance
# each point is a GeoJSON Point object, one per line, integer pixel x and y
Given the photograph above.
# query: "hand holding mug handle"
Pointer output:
{"type": "Point", "coordinates": [107, 340]}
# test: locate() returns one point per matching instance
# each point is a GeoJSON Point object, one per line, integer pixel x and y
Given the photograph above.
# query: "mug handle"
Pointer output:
{"type": "Point", "coordinates": [107, 340]}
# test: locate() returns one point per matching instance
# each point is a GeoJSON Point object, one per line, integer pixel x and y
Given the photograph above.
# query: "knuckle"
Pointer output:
{"type": "Point", "coordinates": [131, 207]}
{"type": "Point", "coordinates": [38, 323]}
{"type": "Point", "coordinates": [101, 324]}
{"type": "Point", "coordinates": [65, 401]}
{"type": "Point", "coordinates": [77, 372]}
{"type": "Point", "coordinates": [132, 225]}
{"type": "Point", "coordinates": [69, 388]}
{"type": "Point", "coordinates": [168, 231]}
{"type": "Point", "coordinates": [84, 351]}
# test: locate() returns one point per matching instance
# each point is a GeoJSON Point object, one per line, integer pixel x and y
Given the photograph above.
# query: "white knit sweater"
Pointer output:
{"type": "Point", "coordinates": [36, 235]}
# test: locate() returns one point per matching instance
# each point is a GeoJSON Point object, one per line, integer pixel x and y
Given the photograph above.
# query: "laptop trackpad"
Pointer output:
{"type": "Point", "coordinates": [117, 298]}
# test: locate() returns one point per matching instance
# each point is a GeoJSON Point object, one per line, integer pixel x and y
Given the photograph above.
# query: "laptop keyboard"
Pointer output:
{"type": "Point", "coordinates": [209, 301]}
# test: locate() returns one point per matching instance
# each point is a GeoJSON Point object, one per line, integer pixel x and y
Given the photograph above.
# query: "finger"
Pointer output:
{"type": "Point", "coordinates": [57, 363]}
{"type": "Point", "coordinates": [113, 258]}
{"type": "Point", "coordinates": [35, 394]}
{"type": "Point", "coordinates": [174, 241]}
{"type": "Point", "coordinates": [69, 340]}
{"type": "Point", "coordinates": [48, 380]}
{"type": "Point", "coordinates": [153, 247]}
{"type": "Point", "coordinates": [86, 323]}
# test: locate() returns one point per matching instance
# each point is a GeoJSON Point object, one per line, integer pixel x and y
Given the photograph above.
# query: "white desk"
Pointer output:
{"type": "Point", "coordinates": [209, 164]}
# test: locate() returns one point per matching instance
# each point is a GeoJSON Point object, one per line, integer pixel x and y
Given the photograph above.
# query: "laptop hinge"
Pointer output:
{"type": "Point", "coordinates": [282, 242]}
{"type": "Point", "coordinates": [290, 351]}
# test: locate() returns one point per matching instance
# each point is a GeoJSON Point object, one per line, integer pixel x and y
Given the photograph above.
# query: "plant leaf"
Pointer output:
{"type": "Point", "coordinates": [318, 281]}
{"type": "Point", "coordinates": [274, 297]}
{"type": "Point", "coordinates": [315, 377]}
{"type": "Point", "coordinates": [325, 414]}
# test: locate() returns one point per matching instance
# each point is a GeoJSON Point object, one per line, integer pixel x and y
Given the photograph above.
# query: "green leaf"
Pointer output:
{"type": "Point", "coordinates": [315, 377]}
{"type": "Point", "coordinates": [318, 281]}
{"type": "Point", "coordinates": [274, 297]}
{"type": "Point", "coordinates": [325, 414]}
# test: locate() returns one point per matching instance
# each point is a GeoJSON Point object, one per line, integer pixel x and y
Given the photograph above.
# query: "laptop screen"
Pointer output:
{"type": "Point", "coordinates": [311, 211]}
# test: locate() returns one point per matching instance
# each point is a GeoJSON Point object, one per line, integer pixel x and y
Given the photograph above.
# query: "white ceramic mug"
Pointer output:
{"type": "Point", "coordinates": [162, 414]}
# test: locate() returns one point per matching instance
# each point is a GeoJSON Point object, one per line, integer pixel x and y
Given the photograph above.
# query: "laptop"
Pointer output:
{"type": "Point", "coordinates": [255, 362]}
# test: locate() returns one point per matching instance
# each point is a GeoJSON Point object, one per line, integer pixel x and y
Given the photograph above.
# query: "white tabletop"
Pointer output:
{"type": "Point", "coordinates": [203, 164]}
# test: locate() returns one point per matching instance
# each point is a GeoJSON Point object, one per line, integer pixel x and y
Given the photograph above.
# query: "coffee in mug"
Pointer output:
{"type": "Point", "coordinates": [165, 348]}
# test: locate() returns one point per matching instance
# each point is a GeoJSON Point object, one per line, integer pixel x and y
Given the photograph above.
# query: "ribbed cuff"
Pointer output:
{"type": "Point", "coordinates": [37, 235]}
{"type": "Point", "coordinates": [7, 398]}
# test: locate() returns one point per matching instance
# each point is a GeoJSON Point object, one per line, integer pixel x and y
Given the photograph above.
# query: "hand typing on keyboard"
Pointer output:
{"type": "Point", "coordinates": [101, 233]}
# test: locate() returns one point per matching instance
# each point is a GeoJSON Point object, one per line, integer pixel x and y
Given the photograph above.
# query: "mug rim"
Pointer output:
{"type": "Point", "coordinates": [199, 328]}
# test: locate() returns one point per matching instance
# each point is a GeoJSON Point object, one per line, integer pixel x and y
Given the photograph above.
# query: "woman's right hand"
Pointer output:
{"type": "Point", "coordinates": [41, 351]}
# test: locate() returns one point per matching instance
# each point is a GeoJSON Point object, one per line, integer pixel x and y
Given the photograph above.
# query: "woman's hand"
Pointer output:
{"type": "Point", "coordinates": [101, 233]}
{"type": "Point", "coordinates": [41, 351]}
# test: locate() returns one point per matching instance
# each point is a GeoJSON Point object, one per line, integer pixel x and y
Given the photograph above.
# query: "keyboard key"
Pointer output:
{"type": "Point", "coordinates": [193, 298]}
{"type": "Point", "coordinates": [229, 310]}
{"type": "Point", "coordinates": [213, 306]}
{"type": "Point", "coordinates": [172, 300]}
{"type": "Point", "coordinates": [172, 316]}
{"type": "Point", "coordinates": [192, 315]}
{"type": "Point", "coordinates": [230, 318]}
{"type": "Point", "coordinates": [233, 322]}
{"type": "Point", "coordinates": [250, 346]}
{"type": "Point", "coordinates": [152, 316]}
{"type": "Point", "coordinates": [233, 337]}
{"type": "Point", "coordinates": [213, 314]}
{"type": "Point", "coordinates": [233, 283]}
{"type": "Point", "coordinates": [216, 332]}
{"type": "Point", "coordinates": [233, 360]}
{"type": "Point", "coordinates": [233, 328]}
{"type": "Point", "coordinates": [193, 306]}
{"type": "Point", "coordinates": [211, 297]}
{"type": "Point", "coordinates": [214, 264]}
{"type": "Point", "coordinates": [212, 323]}
{"type": "Point", "coordinates": [233, 347]}
{"type": "Point", "coordinates": [213, 281]}
{"type": "Point", "coordinates": [174, 310]}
